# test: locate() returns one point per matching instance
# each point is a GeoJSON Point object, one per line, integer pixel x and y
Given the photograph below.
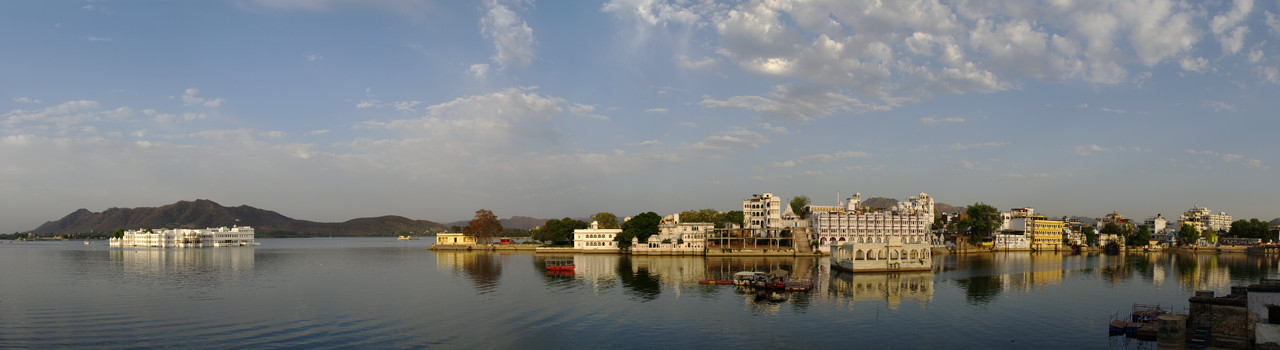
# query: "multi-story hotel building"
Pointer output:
{"type": "Point", "coordinates": [1037, 232]}
{"type": "Point", "coordinates": [899, 234]}
{"type": "Point", "coordinates": [1203, 219]}
{"type": "Point", "coordinates": [762, 214]}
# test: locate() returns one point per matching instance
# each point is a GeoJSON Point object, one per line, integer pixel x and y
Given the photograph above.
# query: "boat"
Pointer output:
{"type": "Point", "coordinates": [408, 238]}
{"type": "Point", "coordinates": [1139, 323]}
{"type": "Point", "coordinates": [560, 265]}
{"type": "Point", "coordinates": [749, 278]}
{"type": "Point", "coordinates": [715, 282]}
{"type": "Point", "coordinates": [87, 243]}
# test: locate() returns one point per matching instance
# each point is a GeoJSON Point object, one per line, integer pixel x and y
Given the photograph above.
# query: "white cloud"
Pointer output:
{"type": "Point", "coordinates": [1111, 110]}
{"type": "Point", "coordinates": [1090, 150]}
{"type": "Point", "coordinates": [770, 127]}
{"type": "Point", "coordinates": [1218, 106]}
{"type": "Point", "coordinates": [189, 98]}
{"type": "Point", "coordinates": [1230, 158]}
{"type": "Point", "coordinates": [931, 121]}
{"type": "Point", "coordinates": [657, 110]}
{"type": "Point", "coordinates": [97, 38]}
{"type": "Point", "coordinates": [647, 143]}
{"type": "Point", "coordinates": [478, 70]}
{"type": "Point", "coordinates": [1273, 22]}
{"type": "Point", "coordinates": [960, 146]}
{"type": "Point", "coordinates": [819, 159]}
{"type": "Point", "coordinates": [731, 140]}
{"type": "Point", "coordinates": [1225, 26]}
{"type": "Point", "coordinates": [588, 111]}
{"type": "Point", "coordinates": [705, 63]}
{"type": "Point", "coordinates": [405, 106]}
{"type": "Point", "coordinates": [1194, 64]}
{"type": "Point", "coordinates": [27, 100]}
{"type": "Point", "coordinates": [512, 37]}
{"type": "Point", "coordinates": [317, 132]}
{"type": "Point", "coordinates": [795, 103]}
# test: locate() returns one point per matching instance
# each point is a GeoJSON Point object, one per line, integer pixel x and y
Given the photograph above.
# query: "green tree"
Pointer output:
{"type": "Point", "coordinates": [456, 229]}
{"type": "Point", "coordinates": [118, 233]}
{"type": "Point", "coordinates": [1188, 234]}
{"type": "Point", "coordinates": [1140, 239]}
{"type": "Point", "coordinates": [606, 220]}
{"type": "Point", "coordinates": [558, 230]}
{"type": "Point", "coordinates": [983, 220]}
{"type": "Point", "coordinates": [798, 203]}
{"type": "Point", "coordinates": [640, 226]}
{"type": "Point", "coordinates": [1090, 237]}
{"type": "Point", "coordinates": [483, 226]}
{"type": "Point", "coordinates": [702, 215]}
{"type": "Point", "coordinates": [734, 217]}
{"type": "Point", "coordinates": [1253, 228]}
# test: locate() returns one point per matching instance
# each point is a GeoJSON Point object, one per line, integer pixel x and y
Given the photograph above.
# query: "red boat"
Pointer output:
{"type": "Point", "coordinates": [559, 265]}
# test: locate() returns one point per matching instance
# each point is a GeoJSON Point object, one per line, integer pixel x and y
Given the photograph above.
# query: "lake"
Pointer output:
{"type": "Point", "coordinates": [385, 293]}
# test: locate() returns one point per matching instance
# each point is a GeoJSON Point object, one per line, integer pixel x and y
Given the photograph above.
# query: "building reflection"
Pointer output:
{"type": "Point", "coordinates": [891, 288]}
{"type": "Point", "coordinates": [195, 260]}
{"type": "Point", "coordinates": [675, 272]}
{"type": "Point", "coordinates": [481, 267]}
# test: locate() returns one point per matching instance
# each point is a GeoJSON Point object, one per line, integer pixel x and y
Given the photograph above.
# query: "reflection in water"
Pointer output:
{"type": "Point", "coordinates": [183, 261]}
{"type": "Point", "coordinates": [639, 282]}
{"type": "Point", "coordinates": [889, 287]}
{"type": "Point", "coordinates": [481, 267]}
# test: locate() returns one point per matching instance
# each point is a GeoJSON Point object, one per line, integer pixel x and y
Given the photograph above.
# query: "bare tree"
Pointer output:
{"type": "Point", "coordinates": [483, 226]}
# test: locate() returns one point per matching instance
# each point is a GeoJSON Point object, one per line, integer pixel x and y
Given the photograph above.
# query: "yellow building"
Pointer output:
{"type": "Point", "coordinates": [1046, 234]}
{"type": "Point", "coordinates": [455, 239]}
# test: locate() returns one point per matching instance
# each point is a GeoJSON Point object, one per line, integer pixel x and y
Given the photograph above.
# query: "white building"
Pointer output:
{"type": "Point", "coordinates": [675, 238]}
{"type": "Point", "coordinates": [909, 223]}
{"type": "Point", "coordinates": [596, 239]}
{"type": "Point", "coordinates": [762, 214]}
{"type": "Point", "coordinates": [1158, 223]}
{"type": "Point", "coordinates": [236, 236]}
{"type": "Point", "coordinates": [1203, 219]}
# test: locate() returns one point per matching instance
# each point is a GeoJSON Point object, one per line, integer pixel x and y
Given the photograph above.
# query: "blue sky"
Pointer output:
{"type": "Point", "coordinates": [329, 110]}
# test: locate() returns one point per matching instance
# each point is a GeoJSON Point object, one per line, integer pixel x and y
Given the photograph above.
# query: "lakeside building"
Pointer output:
{"type": "Point", "coordinates": [894, 240]}
{"type": "Point", "coordinates": [1115, 218]}
{"type": "Point", "coordinates": [596, 239]}
{"type": "Point", "coordinates": [1037, 232]}
{"type": "Point", "coordinates": [766, 221]}
{"type": "Point", "coordinates": [1203, 219]}
{"type": "Point", "coordinates": [675, 238]}
{"type": "Point", "coordinates": [454, 238]}
{"type": "Point", "coordinates": [235, 236]}
{"type": "Point", "coordinates": [1156, 223]}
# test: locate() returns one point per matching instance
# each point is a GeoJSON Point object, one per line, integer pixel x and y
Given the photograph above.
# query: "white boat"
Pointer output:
{"type": "Point", "coordinates": [86, 242]}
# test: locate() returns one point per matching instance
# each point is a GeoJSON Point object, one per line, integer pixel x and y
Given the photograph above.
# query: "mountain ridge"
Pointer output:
{"type": "Point", "coordinates": [202, 213]}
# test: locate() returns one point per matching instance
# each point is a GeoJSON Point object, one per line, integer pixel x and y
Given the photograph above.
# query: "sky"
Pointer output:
{"type": "Point", "coordinates": [329, 110]}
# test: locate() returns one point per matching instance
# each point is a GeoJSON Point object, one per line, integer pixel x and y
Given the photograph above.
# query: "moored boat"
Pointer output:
{"type": "Point", "coordinates": [560, 265]}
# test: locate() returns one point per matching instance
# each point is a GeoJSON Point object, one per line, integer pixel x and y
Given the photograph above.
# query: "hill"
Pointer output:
{"type": "Point", "coordinates": [203, 213]}
{"type": "Point", "coordinates": [514, 222]}
{"type": "Point", "coordinates": [881, 203]}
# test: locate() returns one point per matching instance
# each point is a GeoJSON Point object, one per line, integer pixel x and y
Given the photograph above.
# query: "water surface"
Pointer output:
{"type": "Point", "coordinates": [385, 293]}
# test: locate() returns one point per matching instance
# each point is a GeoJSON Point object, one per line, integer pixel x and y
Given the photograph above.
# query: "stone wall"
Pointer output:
{"type": "Point", "coordinates": [1228, 316]}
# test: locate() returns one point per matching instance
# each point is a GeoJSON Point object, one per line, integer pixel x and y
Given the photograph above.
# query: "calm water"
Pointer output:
{"type": "Point", "coordinates": [384, 293]}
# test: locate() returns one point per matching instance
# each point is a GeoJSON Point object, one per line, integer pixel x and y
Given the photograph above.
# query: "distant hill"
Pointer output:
{"type": "Point", "coordinates": [881, 203]}
{"type": "Point", "coordinates": [515, 222]}
{"type": "Point", "coordinates": [203, 213]}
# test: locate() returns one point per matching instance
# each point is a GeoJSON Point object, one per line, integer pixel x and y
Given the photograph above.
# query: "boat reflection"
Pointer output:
{"type": "Point", "coordinates": [148, 261]}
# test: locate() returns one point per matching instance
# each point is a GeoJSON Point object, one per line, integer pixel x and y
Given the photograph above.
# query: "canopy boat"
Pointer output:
{"type": "Point", "coordinates": [560, 265]}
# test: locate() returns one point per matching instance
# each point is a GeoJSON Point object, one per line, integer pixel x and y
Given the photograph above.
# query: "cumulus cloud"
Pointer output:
{"type": "Point", "coordinates": [26, 100]}
{"type": "Point", "coordinates": [313, 57]}
{"type": "Point", "coordinates": [189, 98]}
{"type": "Point", "coordinates": [405, 106]}
{"type": "Point", "coordinates": [647, 143]}
{"type": "Point", "coordinates": [588, 111]}
{"type": "Point", "coordinates": [931, 121]}
{"type": "Point", "coordinates": [511, 36]}
{"type": "Point", "coordinates": [478, 70]}
{"type": "Point", "coordinates": [97, 38]}
{"type": "Point", "coordinates": [892, 53]}
{"type": "Point", "coordinates": [1231, 157]}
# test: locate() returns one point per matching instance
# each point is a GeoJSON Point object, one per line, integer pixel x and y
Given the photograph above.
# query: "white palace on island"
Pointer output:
{"type": "Point", "coordinates": [235, 236]}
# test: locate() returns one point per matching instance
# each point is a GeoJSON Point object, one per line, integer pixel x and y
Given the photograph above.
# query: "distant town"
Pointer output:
{"type": "Point", "coordinates": [767, 226]}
